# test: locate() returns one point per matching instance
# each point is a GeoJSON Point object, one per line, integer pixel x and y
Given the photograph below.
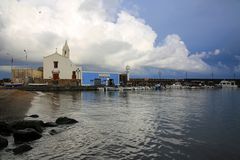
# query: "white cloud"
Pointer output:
{"type": "Point", "coordinates": [98, 32]}
{"type": "Point", "coordinates": [208, 54]}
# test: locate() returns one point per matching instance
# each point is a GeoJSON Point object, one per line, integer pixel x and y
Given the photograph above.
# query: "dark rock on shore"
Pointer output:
{"type": "Point", "coordinates": [34, 116]}
{"type": "Point", "coordinates": [5, 129]}
{"type": "Point", "coordinates": [56, 131]}
{"type": "Point", "coordinates": [3, 142]}
{"type": "Point", "coordinates": [34, 124]}
{"type": "Point", "coordinates": [21, 149]}
{"type": "Point", "coordinates": [50, 124]}
{"type": "Point", "coordinates": [66, 120]}
{"type": "Point", "coordinates": [8, 150]}
{"type": "Point", "coordinates": [53, 132]}
{"type": "Point", "coordinates": [26, 135]}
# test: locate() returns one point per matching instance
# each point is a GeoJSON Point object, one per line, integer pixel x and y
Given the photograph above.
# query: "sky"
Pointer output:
{"type": "Point", "coordinates": [155, 38]}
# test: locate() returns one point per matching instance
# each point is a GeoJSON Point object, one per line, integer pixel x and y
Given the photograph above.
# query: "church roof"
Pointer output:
{"type": "Point", "coordinates": [56, 53]}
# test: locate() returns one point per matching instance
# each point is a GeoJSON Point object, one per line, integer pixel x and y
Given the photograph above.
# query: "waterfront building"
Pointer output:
{"type": "Point", "coordinates": [20, 75]}
{"type": "Point", "coordinates": [59, 66]}
{"type": "Point", "coordinates": [90, 78]}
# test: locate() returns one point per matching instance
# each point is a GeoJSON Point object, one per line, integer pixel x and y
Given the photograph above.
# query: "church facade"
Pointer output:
{"type": "Point", "coordinates": [59, 66]}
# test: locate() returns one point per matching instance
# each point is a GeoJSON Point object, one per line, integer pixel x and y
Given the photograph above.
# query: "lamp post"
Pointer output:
{"type": "Point", "coordinates": [127, 72]}
{"type": "Point", "coordinates": [25, 55]}
{"type": "Point", "coordinates": [26, 75]}
{"type": "Point", "coordinates": [78, 71]}
{"type": "Point", "coordinates": [11, 63]}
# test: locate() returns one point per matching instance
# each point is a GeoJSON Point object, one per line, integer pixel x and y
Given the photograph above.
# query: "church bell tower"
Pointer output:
{"type": "Point", "coordinates": [65, 50]}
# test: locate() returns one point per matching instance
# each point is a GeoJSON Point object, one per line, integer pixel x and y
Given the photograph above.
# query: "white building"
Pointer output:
{"type": "Point", "coordinates": [57, 66]}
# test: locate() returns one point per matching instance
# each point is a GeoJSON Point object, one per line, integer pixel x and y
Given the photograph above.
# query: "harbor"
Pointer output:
{"type": "Point", "coordinates": [119, 80]}
{"type": "Point", "coordinates": [167, 124]}
{"type": "Point", "coordinates": [132, 84]}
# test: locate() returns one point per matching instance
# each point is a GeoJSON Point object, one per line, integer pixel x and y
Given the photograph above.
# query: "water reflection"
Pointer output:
{"type": "Point", "coordinates": [171, 124]}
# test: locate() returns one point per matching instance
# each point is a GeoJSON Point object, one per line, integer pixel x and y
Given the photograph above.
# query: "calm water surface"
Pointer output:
{"type": "Point", "coordinates": [171, 124]}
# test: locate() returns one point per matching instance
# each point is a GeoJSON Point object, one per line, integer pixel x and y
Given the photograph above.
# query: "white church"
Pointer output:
{"type": "Point", "coordinates": [59, 66]}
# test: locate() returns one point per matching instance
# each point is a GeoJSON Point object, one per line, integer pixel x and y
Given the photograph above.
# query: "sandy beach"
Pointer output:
{"type": "Point", "coordinates": [14, 104]}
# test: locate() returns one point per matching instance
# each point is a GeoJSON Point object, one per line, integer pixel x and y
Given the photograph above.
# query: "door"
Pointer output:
{"type": "Point", "coordinates": [97, 82]}
{"type": "Point", "coordinates": [73, 74]}
{"type": "Point", "coordinates": [55, 76]}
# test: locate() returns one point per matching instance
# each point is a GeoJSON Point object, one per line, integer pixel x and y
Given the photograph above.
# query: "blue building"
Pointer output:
{"type": "Point", "coordinates": [100, 78]}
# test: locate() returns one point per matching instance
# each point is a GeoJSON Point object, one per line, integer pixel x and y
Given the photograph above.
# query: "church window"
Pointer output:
{"type": "Point", "coordinates": [55, 64]}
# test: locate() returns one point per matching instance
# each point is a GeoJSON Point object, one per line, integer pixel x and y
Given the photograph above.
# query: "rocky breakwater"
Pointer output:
{"type": "Point", "coordinates": [25, 131]}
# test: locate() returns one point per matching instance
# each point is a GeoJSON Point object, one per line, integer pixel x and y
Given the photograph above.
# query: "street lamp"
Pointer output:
{"type": "Point", "coordinates": [11, 60]}
{"type": "Point", "coordinates": [78, 71]}
{"type": "Point", "coordinates": [127, 72]}
{"type": "Point", "coordinates": [25, 55]}
{"type": "Point", "coordinates": [26, 74]}
{"type": "Point", "coordinates": [11, 63]}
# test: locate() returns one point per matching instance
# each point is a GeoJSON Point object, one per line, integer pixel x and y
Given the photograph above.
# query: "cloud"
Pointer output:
{"type": "Point", "coordinates": [237, 68]}
{"type": "Point", "coordinates": [99, 33]}
{"type": "Point", "coordinates": [237, 57]}
{"type": "Point", "coordinates": [5, 68]}
{"type": "Point", "coordinates": [205, 55]}
{"type": "Point", "coordinates": [222, 66]}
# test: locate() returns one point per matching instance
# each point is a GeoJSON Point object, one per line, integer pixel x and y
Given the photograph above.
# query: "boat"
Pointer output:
{"type": "Point", "coordinates": [111, 89]}
{"type": "Point", "coordinates": [157, 87]}
{"type": "Point", "coordinates": [37, 84]}
{"type": "Point", "coordinates": [227, 84]}
{"type": "Point", "coordinates": [11, 84]}
{"type": "Point", "coordinates": [176, 85]}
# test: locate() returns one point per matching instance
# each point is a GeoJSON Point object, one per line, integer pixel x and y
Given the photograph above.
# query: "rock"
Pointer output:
{"type": "Point", "coordinates": [66, 120]}
{"type": "Point", "coordinates": [26, 135]}
{"type": "Point", "coordinates": [3, 142]}
{"type": "Point", "coordinates": [8, 150]}
{"type": "Point", "coordinates": [53, 132]}
{"type": "Point", "coordinates": [5, 129]}
{"type": "Point", "coordinates": [34, 124]}
{"type": "Point", "coordinates": [34, 116]}
{"type": "Point", "coordinates": [50, 124]}
{"type": "Point", "coordinates": [21, 149]}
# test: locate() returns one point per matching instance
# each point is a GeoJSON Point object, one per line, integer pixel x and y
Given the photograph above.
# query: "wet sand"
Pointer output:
{"type": "Point", "coordinates": [14, 104]}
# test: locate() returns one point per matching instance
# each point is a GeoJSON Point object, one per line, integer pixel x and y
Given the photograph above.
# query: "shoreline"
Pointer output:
{"type": "Point", "coordinates": [52, 88]}
{"type": "Point", "coordinates": [14, 104]}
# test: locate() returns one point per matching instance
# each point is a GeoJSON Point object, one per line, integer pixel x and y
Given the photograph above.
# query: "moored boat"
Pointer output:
{"type": "Point", "coordinates": [11, 84]}
{"type": "Point", "coordinates": [227, 84]}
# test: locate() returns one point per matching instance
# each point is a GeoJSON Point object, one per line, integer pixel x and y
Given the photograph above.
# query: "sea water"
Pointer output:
{"type": "Point", "coordinates": [169, 124]}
